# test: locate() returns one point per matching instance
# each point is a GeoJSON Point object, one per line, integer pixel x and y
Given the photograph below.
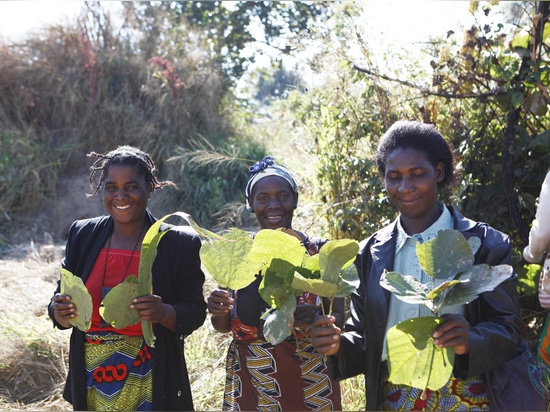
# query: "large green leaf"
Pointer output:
{"type": "Point", "coordinates": [445, 255]}
{"type": "Point", "coordinates": [406, 288]}
{"type": "Point", "coordinates": [226, 260]}
{"type": "Point", "coordinates": [115, 307]}
{"type": "Point", "coordinates": [276, 285]}
{"type": "Point", "coordinates": [480, 278]}
{"type": "Point", "coordinates": [279, 323]}
{"type": "Point", "coordinates": [73, 286]}
{"type": "Point", "coordinates": [348, 282]}
{"type": "Point", "coordinates": [317, 286]}
{"type": "Point", "coordinates": [335, 255]}
{"type": "Point", "coordinates": [413, 358]}
{"type": "Point", "coordinates": [275, 244]}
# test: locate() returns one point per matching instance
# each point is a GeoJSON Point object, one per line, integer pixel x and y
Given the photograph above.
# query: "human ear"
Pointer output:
{"type": "Point", "coordinates": [440, 172]}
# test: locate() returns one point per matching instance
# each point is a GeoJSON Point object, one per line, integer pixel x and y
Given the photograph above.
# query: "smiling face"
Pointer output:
{"type": "Point", "coordinates": [411, 183]}
{"type": "Point", "coordinates": [273, 202]}
{"type": "Point", "coordinates": [125, 194]}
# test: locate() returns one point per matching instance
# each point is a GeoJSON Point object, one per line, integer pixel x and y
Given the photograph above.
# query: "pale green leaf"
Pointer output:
{"type": "Point", "coordinates": [480, 278]}
{"type": "Point", "coordinates": [317, 286]}
{"type": "Point", "coordinates": [336, 255]}
{"type": "Point", "coordinates": [348, 281]}
{"type": "Point", "coordinates": [446, 255]}
{"type": "Point", "coordinates": [276, 285]}
{"type": "Point", "coordinates": [226, 260]}
{"type": "Point", "coordinates": [406, 288]}
{"type": "Point", "coordinates": [413, 358]}
{"type": "Point", "coordinates": [279, 323]}
{"type": "Point", "coordinates": [73, 286]}
{"type": "Point", "coordinates": [275, 244]}
{"type": "Point", "coordinates": [115, 307]}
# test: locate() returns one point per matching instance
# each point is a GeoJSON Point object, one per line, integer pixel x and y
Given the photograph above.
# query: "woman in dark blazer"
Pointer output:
{"type": "Point", "coordinates": [103, 251]}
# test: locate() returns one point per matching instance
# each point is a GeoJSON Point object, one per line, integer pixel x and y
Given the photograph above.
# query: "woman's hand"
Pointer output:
{"type": "Point", "coordinates": [453, 332]}
{"type": "Point", "coordinates": [63, 310]}
{"type": "Point", "coordinates": [220, 302]}
{"type": "Point", "coordinates": [153, 309]}
{"type": "Point", "coordinates": [304, 315]}
{"type": "Point", "coordinates": [325, 335]}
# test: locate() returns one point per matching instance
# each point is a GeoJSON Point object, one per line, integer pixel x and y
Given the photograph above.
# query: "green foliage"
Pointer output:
{"type": "Point", "coordinates": [449, 258]}
{"type": "Point", "coordinates": [73, 286]}
{"type": "Point", "coordinates": [226, 262]}
{"type": "Point", "coordinates": [413, 358]}
{"type": "Point", "coordinates": [115, 306]}
{"type": "Point", "coordinates": [229, 28]}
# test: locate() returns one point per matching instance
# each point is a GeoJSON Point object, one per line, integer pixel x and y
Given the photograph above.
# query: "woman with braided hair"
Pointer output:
{"type": "Point", "coordinates": [114, 369]}
{"type": "Point", "coordinates": [289, 376]}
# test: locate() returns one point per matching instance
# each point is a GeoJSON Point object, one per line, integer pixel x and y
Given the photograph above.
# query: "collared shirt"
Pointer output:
{"type": "Point", "coordinates": [406, 263]}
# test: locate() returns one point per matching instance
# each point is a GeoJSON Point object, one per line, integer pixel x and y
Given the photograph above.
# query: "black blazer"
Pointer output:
{"type": "Point", "coordinates": [177, 278]}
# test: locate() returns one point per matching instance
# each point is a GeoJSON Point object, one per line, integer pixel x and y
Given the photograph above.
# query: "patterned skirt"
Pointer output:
{"type": "Point", "coordinates": [456, 395]}
{"type": "Point", "coordinates": [290, 376]}
{"type": "Point", "coordinates": [118, 373]}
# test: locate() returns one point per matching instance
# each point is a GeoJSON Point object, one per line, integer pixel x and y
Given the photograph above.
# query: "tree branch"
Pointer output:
{"type": "Point", "coordinates": [491, 93]}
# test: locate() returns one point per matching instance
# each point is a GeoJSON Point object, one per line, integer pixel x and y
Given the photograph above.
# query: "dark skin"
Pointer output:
{"type": "Point", "coordinates": [411, 183]}
{"type": "Point", "coordinates": [273, 203]}
{"type": "Point", "coordinates": [125, 196]}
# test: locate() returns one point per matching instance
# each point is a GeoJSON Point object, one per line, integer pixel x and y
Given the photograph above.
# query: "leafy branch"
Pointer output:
{"type": "Point", "coordinates": [449, 261]}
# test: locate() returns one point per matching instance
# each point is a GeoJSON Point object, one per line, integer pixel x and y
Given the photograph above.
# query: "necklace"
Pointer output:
{"type": "Point", "coordinates": [131, 256]}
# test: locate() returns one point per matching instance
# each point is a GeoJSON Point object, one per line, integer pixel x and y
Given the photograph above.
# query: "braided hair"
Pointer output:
{"type": "Point", "coordinates": [125, 156]}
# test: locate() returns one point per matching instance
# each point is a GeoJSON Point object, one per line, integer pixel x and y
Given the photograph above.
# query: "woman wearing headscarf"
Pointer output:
{"type": "Point", "coordinates": [260, 376]}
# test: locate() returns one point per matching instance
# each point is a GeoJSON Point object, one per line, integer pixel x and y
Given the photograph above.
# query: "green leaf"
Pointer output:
{"type": "Point", "coordinates": [115, 307]}
{"type": "Point", "coordinates": [276, 285]}
{"type": "Point", "coordinates": [226, 260]}
{"type": "Point", "coordinates": [335, 255]}
{"type": "Point", "coordinates": [406, 288]}
{"type": "Point", "coordinates": [446, 255]}
{"type": "Point", "coordinates": [279, 323]}
{"type": "Point", "coordinates": [73, 286]}
{"type": "Point", "coordinates": [317, 286]}
{"type": "Point", "coordinates": [348, 282]}
{"type": "Point", "coordinates": [528, 278]}
{"type": "Point", "coordinates": [413, 359]}
{"type": "Point", "coordinates": [274, 244]}
{"type": "Point", "coordinates": [480, 278]}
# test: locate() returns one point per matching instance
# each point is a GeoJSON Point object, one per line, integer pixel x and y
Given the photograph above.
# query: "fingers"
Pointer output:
{"type": "Point", "coordinates": [454, 332]}
{"type": "Point", "coordinates": [220, 302]}
{"type": "Point", "coordinates": [325, 335]}
{"type": "Point", "coordinates": [150, 307]}
{"type": "Point", "coordinates": [63, 309]}
{"type": "Point", "coordinates": [304, 315]}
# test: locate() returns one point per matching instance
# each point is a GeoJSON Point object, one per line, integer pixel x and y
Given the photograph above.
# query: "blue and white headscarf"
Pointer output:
{"type": "Point", "coordinates": [268, 167]}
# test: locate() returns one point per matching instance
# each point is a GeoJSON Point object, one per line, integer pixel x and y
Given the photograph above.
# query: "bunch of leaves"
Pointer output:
{"type": "Point", "coordinates": [288, 271]}
{"type": "Point", "coordinates": [115, 307]}
{"type": "Point", "coordinates": [449, 260]}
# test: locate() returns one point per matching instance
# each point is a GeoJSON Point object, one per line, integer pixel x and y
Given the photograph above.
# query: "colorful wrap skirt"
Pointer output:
{"type": "Point", "coordinates": [290, 376]}
{"type": "Point", "coordinates": [456, 395]}
{"type": "Point", "coordinates": [118, 373]}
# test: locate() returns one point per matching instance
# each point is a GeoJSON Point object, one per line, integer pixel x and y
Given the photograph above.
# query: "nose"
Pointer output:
{"type": "Point", "coordinates": [406, 185]}
{"type": "Point", "coordinates": [120, 193]}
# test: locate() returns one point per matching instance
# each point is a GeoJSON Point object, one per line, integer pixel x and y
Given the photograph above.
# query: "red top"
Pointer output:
{"type": "Point", "coordinates": [110, 276]}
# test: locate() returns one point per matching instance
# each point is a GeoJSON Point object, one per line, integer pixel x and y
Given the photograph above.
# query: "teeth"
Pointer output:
{"type": "Point", "coordinates": [122, 207]}
{"type": "Point", "coordinates": [273, 217]}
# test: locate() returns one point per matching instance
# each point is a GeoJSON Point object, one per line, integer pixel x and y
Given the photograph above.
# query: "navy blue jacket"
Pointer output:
{"type": "Point", "coordinates": [494, 316]}
{"type": "Point", "coordinates": [177, 278]}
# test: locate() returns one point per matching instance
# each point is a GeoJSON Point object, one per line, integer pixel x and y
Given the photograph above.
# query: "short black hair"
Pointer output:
{"type": "Point", "coordinates": [422, 137]}
{"type": "Point", "coordinates": [126, 156]}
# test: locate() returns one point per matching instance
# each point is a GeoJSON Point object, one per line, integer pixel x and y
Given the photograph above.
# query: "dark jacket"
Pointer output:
{"type": "Point", "coordinates": [494, 316]}
{"type": "Point", "coordinates": [177, 278]}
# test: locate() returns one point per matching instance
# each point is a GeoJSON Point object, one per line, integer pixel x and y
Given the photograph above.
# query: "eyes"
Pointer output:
{"type": "Point", "coordinates": [264, 198]}
{"type": "Point", "coordinates": [130, 188]}
{"type": "Point", "coordinates": [393, 177]}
